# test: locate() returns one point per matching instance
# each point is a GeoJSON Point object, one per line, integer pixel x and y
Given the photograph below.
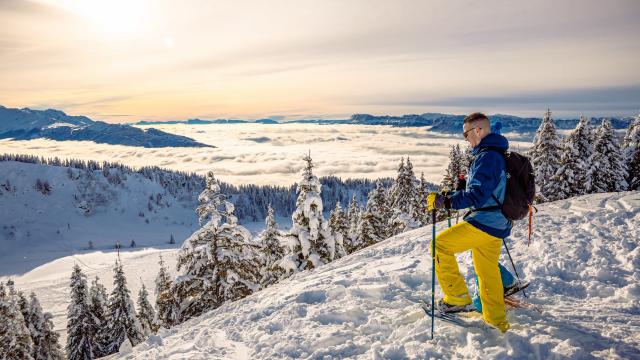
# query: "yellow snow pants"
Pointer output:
{"type": "Point", "coordinates": [485, 252]}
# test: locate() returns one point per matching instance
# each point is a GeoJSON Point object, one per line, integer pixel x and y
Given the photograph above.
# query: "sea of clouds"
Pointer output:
{"type": "Point", "coordinates": [272, 154]}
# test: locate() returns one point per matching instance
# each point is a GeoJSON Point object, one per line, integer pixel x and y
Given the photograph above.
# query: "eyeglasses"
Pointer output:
{"type": "Point", "coordinates": [466, 132]}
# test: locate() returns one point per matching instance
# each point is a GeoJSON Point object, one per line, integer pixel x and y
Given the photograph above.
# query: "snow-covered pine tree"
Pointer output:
{"type": "Point", "coordinates": [629, 135]}
{"type": "Point", "coordinates": [608, 169]}
{"type": "Point", "coordinates": [272, 251]}
{"type": "Point", "coordinates": [98, 307]}
{"type": "Point", "coordinates": [582, 139]}
{"type": "Point", "coordinates": [467, 159]}
{"type": "Point", "coordinates": [122, 323]}
{"type": "Point", "coordinates": [15, 338]}
{"type": "Point", "coordinates": [402, 198]}
{"type": "Point", "coordinates": [373, 225]}
{"type": "Point", "coordinates": [366, 233]}
{"type": "Point", "coordinates": [545, 155]}
{"type": "Point", "coordinates": [81, 325]}
{"type": "Point", "coordinates": [167, 311]}
{"type": "Point", "coordinates": [339, 225]}
{"type": "Point", "coordinates": [146, 314]}
{"type": "Point", "coordinates": [23, 305]}
{"type": "Point", "coordinates": [309, 241]}
{"type": "Point", "coordinates": [46, 344]}
{"type": "Point", "coordinates": [217, 262]}
{"type": "Point", "coordinates": [632, 154]}
{"type": "Point", "coordinates": [420, 208]}
{"type": "Point", "coordinates": [456, 165]}
{"type": "Point", "coordinates": [573, 177]}
{"type": "Point", "coordinates": [353, 216]}
{"type": "Point", "coordinates": [560, 185]}
{"type": "Point", "coordinates": [378, 207]}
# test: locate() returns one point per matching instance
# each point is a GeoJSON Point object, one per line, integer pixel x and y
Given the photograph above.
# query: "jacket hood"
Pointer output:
{"type": "Point", "coordinates": [492, 140]}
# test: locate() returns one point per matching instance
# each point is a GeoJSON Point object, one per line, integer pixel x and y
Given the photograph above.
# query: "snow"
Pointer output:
{"type": "Point", "coordinates": [584, 264]}
{"type": "Point", "coordinates": [60, 124]}
{"type": "Point", "coordinates": [37, 228]}
{"type": "Point", "coordinates": [583, 261]}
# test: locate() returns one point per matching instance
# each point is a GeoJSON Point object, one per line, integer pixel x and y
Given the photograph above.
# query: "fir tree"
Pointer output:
{"type": "Point", "coordinates": [310, 243]}
{"type": "Point", "coordinates": [608, 169]}
{"type": "Point", "coordinates": [272, 251]}
{"type": "Point", "coordinates": [339, 225]}
{"type": "Point", "coordinates": [455, 167]}
{"type": "Point", "coordinates": [366, 233]}
{"type": "Point", "coordinates": [630, 136]}
{"type": "Point", "coordinates": [379, 211]}
{"type": "Point", "coordinates": [545, 155]}
{"type": "Point", "coordinates": [166, 306]}
{"type": "Point", "coordinates": [98, 306]}
{"type": "Point", "coordinates": [353, 215]}
{"type": "Point", "coordinates": [23, 305]}
{"type": "Point", "coordinates": [146, 314]}
{"type": "Point", "coordinates": [217, 262]}
{"type": "Point", "coordinates": [402, 199]}
{"type": "Point", "coordinates": [420, 207]}
{"type": "Point", "coordinates": [46, 344]}
{"type": "Point", "coordinates": [81, 325]}
{"type": "Point", "coordinates": [573, 177]}
{"type": "Point", "coordinates": [15, 338]}
{"type": "Point", "coordinates": [467, 159]}
{"type": "Point", "coordinates": [632, 154]}
{"type": "Point", "coordinates": [122, 323]}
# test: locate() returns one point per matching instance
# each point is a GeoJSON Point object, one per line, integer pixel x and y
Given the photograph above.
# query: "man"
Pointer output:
{"type": "Point", "coordinates": [481, 230]}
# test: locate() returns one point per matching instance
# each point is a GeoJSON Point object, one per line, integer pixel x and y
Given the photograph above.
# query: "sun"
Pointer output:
{"type": "Point", "coordinates": [113, 17]}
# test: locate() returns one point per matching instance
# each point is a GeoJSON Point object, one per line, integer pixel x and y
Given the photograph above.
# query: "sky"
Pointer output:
{"type": "Point", "coordinates": [125, 61]}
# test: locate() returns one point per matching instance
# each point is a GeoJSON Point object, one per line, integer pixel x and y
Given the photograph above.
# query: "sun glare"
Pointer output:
{"type": "Point", "coordinates": [113, 17]}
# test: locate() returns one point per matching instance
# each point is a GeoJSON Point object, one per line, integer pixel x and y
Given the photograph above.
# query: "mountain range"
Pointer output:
{"type": "Point", "coordinates": [26, 124]}
{"type": "Point", "coordinates": [442, 123]}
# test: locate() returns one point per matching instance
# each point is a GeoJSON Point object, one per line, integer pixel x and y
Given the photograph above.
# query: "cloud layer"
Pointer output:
{"type": "Point", "coordinates": [347, 151]}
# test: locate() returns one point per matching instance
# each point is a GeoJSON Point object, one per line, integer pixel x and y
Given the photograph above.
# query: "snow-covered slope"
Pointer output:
{"type": "Point", "coordinates": [584, 264]}
{"type": "Point", "coordinates": [50, 282]}
{"type": "Point", "coordinates": [82, 206]}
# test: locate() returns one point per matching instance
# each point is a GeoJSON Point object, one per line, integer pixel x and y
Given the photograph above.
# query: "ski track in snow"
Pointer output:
{"type": "Point", "coordinates": [583, 261]}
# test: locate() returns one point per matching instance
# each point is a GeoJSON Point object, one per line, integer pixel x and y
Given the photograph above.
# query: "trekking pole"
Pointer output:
{"type": "Point", "coordinates": [433, 270]}
{"type": "Point", "coordinates": [512, 264]}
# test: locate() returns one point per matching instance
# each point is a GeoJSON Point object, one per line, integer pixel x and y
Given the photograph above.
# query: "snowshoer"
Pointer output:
{"type": "Point", "coordinates": [509, 282]}
{"type": "Point", "coordinates": [480, 231]}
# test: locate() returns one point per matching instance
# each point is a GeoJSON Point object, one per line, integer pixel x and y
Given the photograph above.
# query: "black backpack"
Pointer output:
{"type": "Point", "coordinates": [520, 189]}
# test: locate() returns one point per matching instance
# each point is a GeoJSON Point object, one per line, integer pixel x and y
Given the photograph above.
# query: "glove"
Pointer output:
{"type": "Point", "coordinates": [438, 201]}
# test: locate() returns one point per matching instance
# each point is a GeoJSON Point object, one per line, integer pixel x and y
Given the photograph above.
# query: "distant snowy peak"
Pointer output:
{"type": "Point", "coordinates": [25, 124]}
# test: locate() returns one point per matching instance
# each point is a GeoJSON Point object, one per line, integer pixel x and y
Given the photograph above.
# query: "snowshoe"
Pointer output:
{"type": "Point", "coordinates": [445, 308]}
{"type": "Point", "coordinates": [516, 287]}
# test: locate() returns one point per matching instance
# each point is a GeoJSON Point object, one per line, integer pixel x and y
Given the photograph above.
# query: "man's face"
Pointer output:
{"type": "Point", "coordinates": [472, 133]}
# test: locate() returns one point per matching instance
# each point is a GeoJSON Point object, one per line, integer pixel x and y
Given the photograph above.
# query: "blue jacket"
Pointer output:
{"type": "Point", "coordinates": [487, 176]}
